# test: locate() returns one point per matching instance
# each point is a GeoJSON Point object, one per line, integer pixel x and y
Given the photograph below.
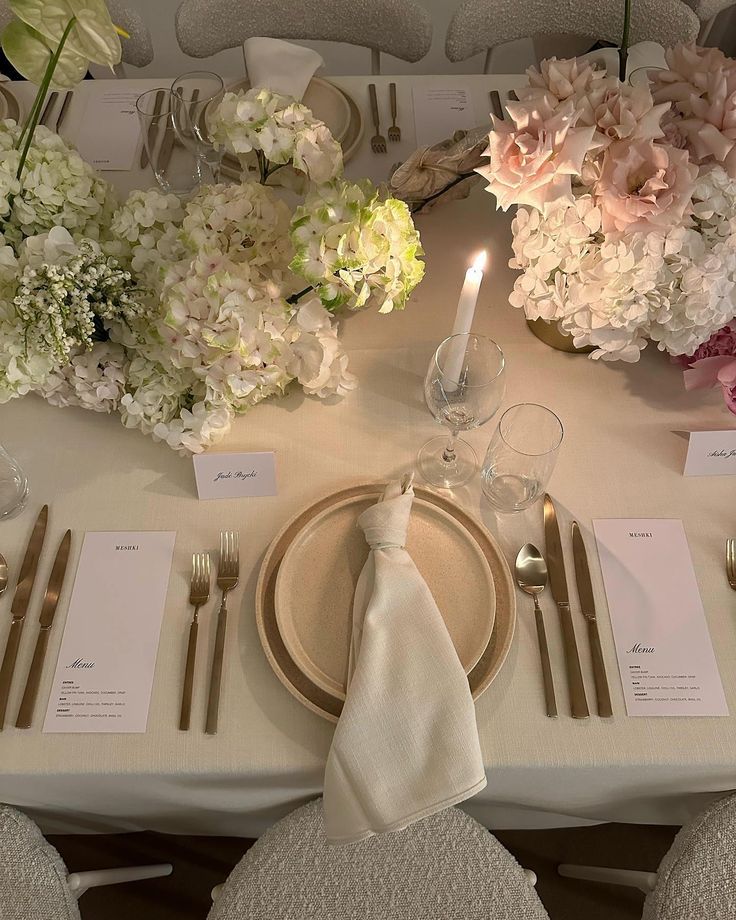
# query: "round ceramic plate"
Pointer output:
{"type": "Point", "coordinates": [319, 573]}
{"type": "Point", "coordinates": [299, 685]}
{"type": "Point", "coordinates": [9, 106]}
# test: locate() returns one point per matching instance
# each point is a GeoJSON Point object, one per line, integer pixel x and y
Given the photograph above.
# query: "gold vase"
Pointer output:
{"type": "Point", "coordinates": [552, 335]}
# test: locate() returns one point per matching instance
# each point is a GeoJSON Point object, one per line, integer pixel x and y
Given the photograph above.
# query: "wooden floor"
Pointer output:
{"type": "Point", "coordinates": [200, 863]}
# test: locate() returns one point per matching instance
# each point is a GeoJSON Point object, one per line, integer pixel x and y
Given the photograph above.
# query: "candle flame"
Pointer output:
{"type": "Point", "coordinates": [480, 261]}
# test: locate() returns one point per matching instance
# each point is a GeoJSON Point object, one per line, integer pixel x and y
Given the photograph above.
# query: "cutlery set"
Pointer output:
{"type": "Point", "coordinates": [19, 610]}
{"type": "Point", "coordinates": [199, 593]}
{"type": "Point", "coordinates": [48, 110]}
{"type": "Point", "coordinates": [531, 574]}
{"type": "Point", "coordinates": [378, 141]}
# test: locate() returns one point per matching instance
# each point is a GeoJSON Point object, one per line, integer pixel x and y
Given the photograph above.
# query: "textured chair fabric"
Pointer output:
{"type": "Point", "coordinates": [707, 9]}
{"type": "Point", "coordinates": [478, 25]}
{"type": "Point", "coordinates": [697, 878]}
{"type": "Point", "coordinates": [446, 867]}
{"type": "Point", "coordinates": [402, 28]}
{"type": "Point", "coordinates": [32, 874]}
{"type": "Point", "coordinates": [138, 49]}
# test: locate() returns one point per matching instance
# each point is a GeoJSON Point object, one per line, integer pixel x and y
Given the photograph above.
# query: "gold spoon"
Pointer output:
{"type": "Point", "coordinates": [3, 573]}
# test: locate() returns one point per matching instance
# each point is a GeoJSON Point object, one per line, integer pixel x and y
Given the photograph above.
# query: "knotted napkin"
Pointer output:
{"type": "Point", "coordinates": [280, 66]}
{"type": "Point", "coordinates": [406, 745]}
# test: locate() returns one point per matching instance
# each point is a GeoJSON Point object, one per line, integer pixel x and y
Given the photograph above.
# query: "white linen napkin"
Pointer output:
{"type": "Point", "coordinates": [406, 745]}
{"type": "Point", "coordinates": [280, 66]}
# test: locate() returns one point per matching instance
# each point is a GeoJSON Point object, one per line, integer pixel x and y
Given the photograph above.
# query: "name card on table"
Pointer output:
{"type": "Point", "coordinates": [104, 674]}
{"type": "Point", "coordinates": [109, 133]}
{"type": "Point", "coordinates": [711, 453]}
{"type": "Point", "coordinates": [665, 654]}
{"type": "Point", "coordinates": [235, 475]}
{"type": "Point", "coordinates": [441, 111]}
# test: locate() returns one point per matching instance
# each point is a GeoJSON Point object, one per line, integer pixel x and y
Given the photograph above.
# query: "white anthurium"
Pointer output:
{"type": "Point", "coordinates": [93, 35]}
{"type": "Point", "coordinates": [30, 52]}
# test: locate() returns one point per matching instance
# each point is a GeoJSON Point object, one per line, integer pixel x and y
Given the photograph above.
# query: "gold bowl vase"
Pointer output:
{"type": "Point", "coordinates": [552, 335]}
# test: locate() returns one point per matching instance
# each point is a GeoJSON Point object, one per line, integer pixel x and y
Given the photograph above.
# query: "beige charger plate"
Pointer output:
{"type": "Point", "coordinates": [318, 575]}
{"type": "Point", "coordinates": [9, 105]}
{"type": "Point", "coordinates": [298, 684]}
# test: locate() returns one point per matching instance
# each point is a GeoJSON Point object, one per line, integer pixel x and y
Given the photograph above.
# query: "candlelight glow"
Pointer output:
{"type": "Point", "coordinates": [480, 261]}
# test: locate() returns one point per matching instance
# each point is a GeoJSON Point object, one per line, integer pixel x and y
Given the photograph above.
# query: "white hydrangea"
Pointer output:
{"type": "Point", "coordinates": [93, 379]}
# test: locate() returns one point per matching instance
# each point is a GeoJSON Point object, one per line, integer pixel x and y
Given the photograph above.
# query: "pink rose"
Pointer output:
{"type": "Point", "coordinates": [701, 83]}
{"type": "Point", "coordinates": [534, 155]}
{"type": "Point", "coordinates": [644, 186]}
{"type": "Point", "coordinates": [711, 372]}
{"type": "Point", "coordinates": [627, 111]}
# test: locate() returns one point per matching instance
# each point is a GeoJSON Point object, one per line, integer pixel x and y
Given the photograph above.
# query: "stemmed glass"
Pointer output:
{"type": "Point", "coordinates": [13, 486]}
{"type": "Point", "coordinates": [463, 389]}
{"type": "Point", "coordinates": [194, 95]}
{"type": "Point", "coordinates": [178, 170]}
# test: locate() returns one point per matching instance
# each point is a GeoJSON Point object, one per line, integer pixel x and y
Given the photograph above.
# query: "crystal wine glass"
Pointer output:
{"type": "Point", "coordinates": [463, 389]}
{"type": "Point", "coordinates": [13, 486]}
{"type": "Point", "coordinates": [194, 95]}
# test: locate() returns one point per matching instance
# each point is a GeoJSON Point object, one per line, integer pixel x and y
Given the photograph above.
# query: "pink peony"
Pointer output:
{"type": "Point", "coordinates": [701, 83]}
{"type": "Point", "coordinates": [534, 155]}
{"type": "Point", "coordinates": [712, 372]}
{"type": "Point", "coordinates": [720, 343]}
{"type": "Point", "coordinates": [644, 186]}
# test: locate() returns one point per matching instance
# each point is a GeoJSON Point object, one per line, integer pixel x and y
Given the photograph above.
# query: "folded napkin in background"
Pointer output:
{"type": "Point", "coordinates": [280, 66]}
{"type": "Point", "coordinates": [406, 745]}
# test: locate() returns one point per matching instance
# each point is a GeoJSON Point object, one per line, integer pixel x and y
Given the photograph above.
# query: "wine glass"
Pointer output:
{"type": "Point", "coordinates": [463, 389]}
{"type": "Point", "coordinates": [178, 170]}
{"type": "Point", "coordinates": [194, 95]}
{"type": "Point", "coordinates": [13, 485]}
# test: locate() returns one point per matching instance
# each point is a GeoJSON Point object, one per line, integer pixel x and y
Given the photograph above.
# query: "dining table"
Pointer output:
{"type": "Point", "coordinates": [625, 440]}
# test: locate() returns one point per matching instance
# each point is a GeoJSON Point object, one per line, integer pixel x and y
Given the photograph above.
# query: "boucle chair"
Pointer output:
{"type": "Point", "coordinates": [481, 25]}
{"type": "Point", "coordinates": [696, 880]}
{"type": "Point", "coordinates": [446, 867]}
{"type": "Point", "coordinates": [402, 28]}
{"type": "Point", "coordinates": [707, 12]}
{"type": "Point", "coordinates": [34, 884]}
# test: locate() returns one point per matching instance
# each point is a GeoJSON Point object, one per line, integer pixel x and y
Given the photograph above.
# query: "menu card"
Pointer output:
{"type": "Point", "coordinates": [104, 674]}
{"type": "Point", "coordinates": [109, 135]}
{"type": "Point", "coordinates": [665, 654]}
{"type": "Point", "coordinates": [441, 111]}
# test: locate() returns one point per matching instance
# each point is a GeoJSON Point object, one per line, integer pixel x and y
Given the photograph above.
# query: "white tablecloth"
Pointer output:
{"type": "Point", "coordinates": [621, 457]}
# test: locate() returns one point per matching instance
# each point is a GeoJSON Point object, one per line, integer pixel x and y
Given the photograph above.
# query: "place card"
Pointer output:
{"type": "Point", "coordinates": [109, 134]}
{"type": "Point", "coordinates": [235, 475]}
{"type": "Point", "coordinates": [104, 673]}
{"type": "Point", "coordinates": [441, 111]}
{"type": "Point", "coordinates": [665, 654]}
{"type": "Point", "coordinates": [711, 453]}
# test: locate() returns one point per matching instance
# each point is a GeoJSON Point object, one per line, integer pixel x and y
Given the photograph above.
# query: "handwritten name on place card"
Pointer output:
{"type": "Point", "coordinates": [235, 475]}
{"type": "Point", "coordinates": [711, 453]}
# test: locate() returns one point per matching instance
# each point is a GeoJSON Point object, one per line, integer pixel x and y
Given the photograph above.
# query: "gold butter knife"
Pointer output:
{"type": "Point", "coordinates": [558, 585]}
{"type": "Point", "coordinates": [63, 111]}
{"type": "Point", "coordinates": [587, 605]}
{"type": "Point", "coordinates": [18, 609]}
{"type": "Point", "coordinates": [50, 102]}
{"type": "Point", "coordinates": [153, 127]}
{"type": "Point", "coordinates": [45, 620]}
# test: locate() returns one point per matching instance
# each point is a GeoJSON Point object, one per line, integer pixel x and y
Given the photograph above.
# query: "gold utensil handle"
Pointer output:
{"type": "Point", "coordinates": [213, 702]}
{"type": "Point", "coordinates": [496, 103]}
{"type": "Point", "coordinates": [578, 702]}
{"type": "Point", "coordinates": [549, 685]}
{"type": "Point", "coordinates": [392, 95]}
{"type": "Point", "coordinates": [8, 666]}
{"type": "Point", "coordinates": [30, 694]}
{"type": "Point", "coordinates": [152, 128]}
{"type": "Point", "coordinates": [374, 107]}
{"type": "Point", "coordinates": [186, 694]}
{"type": "Point", "coordinates": [602, 692]}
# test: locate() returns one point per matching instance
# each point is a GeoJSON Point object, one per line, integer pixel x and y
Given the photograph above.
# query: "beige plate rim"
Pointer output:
{"type": "Point", "coordinates": [13, 108]}
{"type": "Point", "coordinates": [324, 704]}
{"type": "Point", "coordinates": [286, 625]}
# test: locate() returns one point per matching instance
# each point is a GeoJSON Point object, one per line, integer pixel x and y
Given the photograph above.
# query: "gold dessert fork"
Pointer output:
{"type": "Point", "coordinates": [199, 594]}
{"type": "Point", "coordinates": [227, 579]}
{"type": "Point", "coordinates": [394, 132]}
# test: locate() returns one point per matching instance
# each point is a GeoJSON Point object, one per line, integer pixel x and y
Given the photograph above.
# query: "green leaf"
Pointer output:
{"type": "Point", "coordinates": [30, 52]}
{"type": "Point", "coordinates": [93, 35]}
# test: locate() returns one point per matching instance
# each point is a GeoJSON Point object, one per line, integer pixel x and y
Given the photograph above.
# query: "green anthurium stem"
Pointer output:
{"type": "Point", "coordinates": [624, 53]}
{"type": "Point", "coordinates": [35, 112]}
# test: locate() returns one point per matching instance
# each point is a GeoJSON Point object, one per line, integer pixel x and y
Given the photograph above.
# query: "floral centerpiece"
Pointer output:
{"type": "Point", "coordinates": [181, 315]}
{"type": "Point", "coordinates": [625, 229]}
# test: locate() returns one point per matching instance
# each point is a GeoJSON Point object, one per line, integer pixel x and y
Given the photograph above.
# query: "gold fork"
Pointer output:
{"type": "Point", "coordinates": [394, 132]}
{"type": "Point", "coordinates": [227, 579]}
{"type": "Point", "coordinates": [378, 141]}
{"type": "Point", "coordinates": [731, 562]}
{"type": "Point", "coordinates": [199, 594]}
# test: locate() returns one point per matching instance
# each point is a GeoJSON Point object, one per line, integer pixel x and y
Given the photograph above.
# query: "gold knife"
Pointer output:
{"type": "Point", "coordinates": [167, 144]}
{"type": "Point", "coordinates": [19, 607]}
{"type": "Point", "coordinates": [153, 127]}
{"type": "Point", "coordinates": [63, 111]}
{"type": "Point", "coordinates": [50, 601]}
{"type": "Point", "coordinates": [587, 605]}
{"type": "Point", "coordinates": [558, 584]}
{"type": "Point", "coordinates": [50, 102]}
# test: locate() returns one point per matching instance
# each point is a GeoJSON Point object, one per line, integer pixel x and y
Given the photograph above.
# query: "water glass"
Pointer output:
{"type": "Point", "coordinates": [463, 389]}
{"type": "Point", "coordinates": [177, 168]}
{"type": "Point", "coordinates": [13, 486]}
{"type": "Point", "coordinates": [195, 95]}
{"type": "Point", "coordinates": [521, 457]}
